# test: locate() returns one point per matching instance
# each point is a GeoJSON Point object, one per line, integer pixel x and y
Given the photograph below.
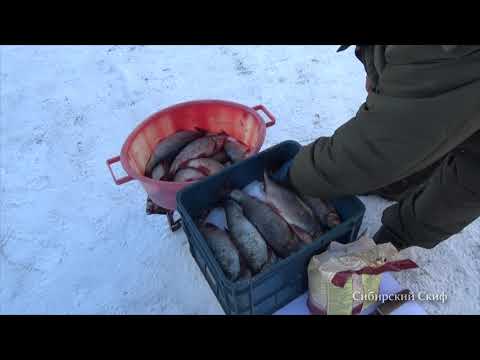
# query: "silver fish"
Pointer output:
{"type": "Point", "coordinates": [169, 147]}
{"type": "Point", "coordinates": [274, 229]}
{"type": "Point", "coordinates": [246, 237]}
{"type": "Point", "coordinates": [221, 157]}
{"type": "Point", "coordinates": [235, 150]}
{"type": "Point", "coordinates": [323, 210]}
{"type": "Point", "coordinates": [206, 166]}
{"type": "Point", "coordinates": [188, 174]}
{"type": "Point", "coordinates": [200, 148]}
{"type": "Point", "coordinates": [159, 171]}
{"type": "Point", "coordinates": [223, 249]}
{"type": "Point", "coordinates": [295, 212]}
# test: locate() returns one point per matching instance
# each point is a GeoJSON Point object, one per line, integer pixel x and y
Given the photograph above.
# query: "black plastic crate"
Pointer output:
{"type": "Point", "coordinates": [268, 291]}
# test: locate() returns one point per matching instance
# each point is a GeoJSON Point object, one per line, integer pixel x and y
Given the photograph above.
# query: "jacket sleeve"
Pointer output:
{"type": "Point", "coordinates": [420, 112]}
{"type": "Point", "coordinates": [388, 140]}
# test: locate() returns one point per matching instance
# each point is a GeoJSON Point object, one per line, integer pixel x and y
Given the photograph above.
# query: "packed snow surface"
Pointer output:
{"type": "Point", "coordinates": [72, 242]}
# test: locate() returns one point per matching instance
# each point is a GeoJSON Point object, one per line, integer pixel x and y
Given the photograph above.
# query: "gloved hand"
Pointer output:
{"type": "Point", "coordinates": [281, 175]}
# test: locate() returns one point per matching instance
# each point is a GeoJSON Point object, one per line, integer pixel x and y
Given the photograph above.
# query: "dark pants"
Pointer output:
{"type": "Point", "coordinates": [438, 202]}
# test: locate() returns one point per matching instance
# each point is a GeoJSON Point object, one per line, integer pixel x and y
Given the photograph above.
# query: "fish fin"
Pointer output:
{"type": "Point", "coordinates": [204, 170]}
{"type": "Point", "coordinates": [302, 234]}
{"type": "Point", "coordinates": [165, 167]}
{"type": "Point", "coordinates": [220, 145]}
{"type": "Point", "coordinates": [333, 219]}
{"type": "Point", "coordinates": [168, 176]}
{"type": "Point", "coordinates": [305, 206]}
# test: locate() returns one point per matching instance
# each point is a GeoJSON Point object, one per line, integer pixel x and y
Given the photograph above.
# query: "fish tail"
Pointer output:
{"type": "Point", "coordinates": [302, 234]}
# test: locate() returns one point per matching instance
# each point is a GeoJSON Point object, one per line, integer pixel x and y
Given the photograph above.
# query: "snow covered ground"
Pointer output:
{"type": "Point", "coordinates": [72, 242]}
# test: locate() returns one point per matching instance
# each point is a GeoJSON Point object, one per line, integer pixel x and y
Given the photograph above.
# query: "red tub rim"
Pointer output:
{"type": "Point", "coordinates": [133, 174]}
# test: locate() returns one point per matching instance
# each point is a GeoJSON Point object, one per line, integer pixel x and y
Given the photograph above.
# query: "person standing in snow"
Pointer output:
{"type": "Point", "coordinates": [415, 140]}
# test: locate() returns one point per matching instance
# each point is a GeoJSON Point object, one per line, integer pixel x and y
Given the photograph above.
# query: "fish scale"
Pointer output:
{"type": "Point", "coordinates": [235, 150]}
{"type": "Point", "coordinates": [323, 210]}
{"type": "Point", "coordinates": [188, 174]}
{"type": "Point", "coordinates": [275, 230]}
{"type": "Point", "coordinates": [224, 250]}
{"type": "Point", "coordinates": [206, 166]}
{"type": "Point", "coordinates": [169, 147]}
{"type": "Point", "coordinates": [246, 237]}
{"type": "Point", "coordinates": [200, 148]}
{"type": "Point", "coordinates": [292, 210]}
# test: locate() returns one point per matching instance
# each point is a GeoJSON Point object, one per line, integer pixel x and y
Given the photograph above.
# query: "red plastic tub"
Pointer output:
{"type": "Point", "coordinates": [241, 122]}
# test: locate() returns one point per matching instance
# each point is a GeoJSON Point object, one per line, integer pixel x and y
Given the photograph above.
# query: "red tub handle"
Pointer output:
{"type": "Point", "coordinates": [266, 112]}
{"type": "Point", "coordinates": [122, 180]}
